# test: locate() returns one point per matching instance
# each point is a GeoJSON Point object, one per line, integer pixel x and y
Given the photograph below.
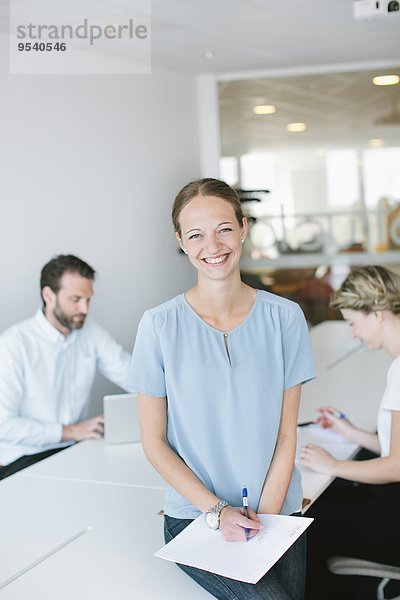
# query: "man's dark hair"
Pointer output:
{"type": "Point", "coordinates": [64, 263]}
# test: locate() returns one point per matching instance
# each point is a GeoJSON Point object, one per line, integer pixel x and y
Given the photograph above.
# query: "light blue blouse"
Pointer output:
{"type": "Point", "coordinates": [224, 392]}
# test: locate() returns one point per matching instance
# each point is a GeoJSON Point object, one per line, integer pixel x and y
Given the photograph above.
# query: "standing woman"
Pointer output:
{"type": "Point", "coordinates": [218, 372]}
{"type": "Point", "coordinates": [360, 520]}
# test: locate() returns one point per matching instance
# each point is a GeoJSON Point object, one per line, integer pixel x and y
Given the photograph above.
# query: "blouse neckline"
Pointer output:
{"type": "Point", "coordinates": [245, 320]}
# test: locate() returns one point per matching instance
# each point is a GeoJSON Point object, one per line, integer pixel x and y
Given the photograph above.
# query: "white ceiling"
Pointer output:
{"type": "Point", "coordinates": [257, 44]}
{"type": "Point", "coordinates": [255, 40]}
{"type": "Point", "coordinates": [245, 34]}
{"type": "Point", "coordinates": [267, 34]}
{"type": "Point", "coordinates": [339, 109]}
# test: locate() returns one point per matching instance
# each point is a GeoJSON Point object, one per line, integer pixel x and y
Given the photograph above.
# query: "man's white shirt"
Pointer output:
{"type": "Point", "coordinates": [46, 379]}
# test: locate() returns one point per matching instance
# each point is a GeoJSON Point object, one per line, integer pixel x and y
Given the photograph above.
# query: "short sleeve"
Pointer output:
{"type": "Point", "coordinates": [146, 371]}
{"type": "Point", "coordinates": [391, 397]}
{"type": "Point", "coordinates": [298, 356]}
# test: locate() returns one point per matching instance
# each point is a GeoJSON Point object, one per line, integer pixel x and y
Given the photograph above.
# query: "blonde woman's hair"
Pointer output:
{"type": "Point", "coordinates": [369, 289]}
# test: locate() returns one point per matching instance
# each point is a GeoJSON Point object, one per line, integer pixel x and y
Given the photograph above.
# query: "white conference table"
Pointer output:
{"type": "Point", "coordinates": [85, 521]}
{"type": "Point", "coordinates": [332, 343]}
{"type": "Point", "coordinates": [315, 483]}
{"type": "Point", "coordinates": [354, 385]}
{"type": "Point", "coordinates": [97, 462]}
{"type": "Point", "coordinates": [84, 540]}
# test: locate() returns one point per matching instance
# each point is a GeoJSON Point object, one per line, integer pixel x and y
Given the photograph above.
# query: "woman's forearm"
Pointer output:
{"type": "Point", "coordinates": [280, 471]}
{"type": "Point", "coordinates": [153, 427]}
{"type": "Point", "coordinates": [376, 470]}
{"type": "Point", "coordinates": [366, 439]}
{"type": "Point", "coordinates": [178, 475]}
{"type": "Point", "coordinates": [278, 478]}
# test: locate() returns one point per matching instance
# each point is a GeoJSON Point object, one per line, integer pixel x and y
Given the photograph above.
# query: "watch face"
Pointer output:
{"type": "Point", "coordinates": [212, 520]}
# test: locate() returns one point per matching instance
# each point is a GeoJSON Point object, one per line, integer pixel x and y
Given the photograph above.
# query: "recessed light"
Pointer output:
{"type": "Point", "coordinates": [296, 127]}
{"type": "Point", "coordinates": [264, 109]}
{"type": "Point", "coordinates": [386, 80]}
{"type": "Point", "coordinates": [376, 143]}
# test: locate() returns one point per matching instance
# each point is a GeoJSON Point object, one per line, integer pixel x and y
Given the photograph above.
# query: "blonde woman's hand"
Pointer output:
{"type": "Point", "coordinates": [332, 418]}
{"type": "Point", "coordinates": [316, 458]}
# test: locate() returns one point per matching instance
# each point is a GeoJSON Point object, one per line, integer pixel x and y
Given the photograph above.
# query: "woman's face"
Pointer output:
{"type": "Point", "coordinates": [365, 327]}
{"type": "Point", "coordinates": [211, 236]}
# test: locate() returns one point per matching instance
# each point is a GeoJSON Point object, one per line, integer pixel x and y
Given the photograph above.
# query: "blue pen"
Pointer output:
{"type": "Point", "coordinates": [245, 504]}
{"type": "Point", "coordinates": [339, 415]}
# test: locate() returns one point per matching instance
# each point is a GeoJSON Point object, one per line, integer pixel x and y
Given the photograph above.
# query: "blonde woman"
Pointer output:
{"type": "Point", "coordinates": [218, 372]}
{"type": "Point", "coordinates": [361, 519]}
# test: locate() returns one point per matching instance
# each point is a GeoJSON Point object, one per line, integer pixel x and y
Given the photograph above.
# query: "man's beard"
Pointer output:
{"type": "Point", "coordinates": [68, 322]}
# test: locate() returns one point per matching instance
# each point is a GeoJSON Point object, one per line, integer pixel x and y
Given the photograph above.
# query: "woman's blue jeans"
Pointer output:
{"type": "Point", "coordinates": [285, 581]}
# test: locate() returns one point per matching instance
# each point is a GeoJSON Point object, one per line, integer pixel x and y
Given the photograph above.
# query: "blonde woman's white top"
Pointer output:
{"type": "Point", "coordinates": [389, 403]}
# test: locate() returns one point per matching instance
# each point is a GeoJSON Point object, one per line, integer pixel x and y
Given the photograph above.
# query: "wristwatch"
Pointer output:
{"type": "Point", "coordinates": [213, 514]}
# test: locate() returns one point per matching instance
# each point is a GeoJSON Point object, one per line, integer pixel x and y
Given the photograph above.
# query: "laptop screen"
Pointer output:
{"type": "Point", "coordinates": [121, 421]}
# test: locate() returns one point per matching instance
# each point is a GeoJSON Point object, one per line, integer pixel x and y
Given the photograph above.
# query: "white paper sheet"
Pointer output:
{"type": "Point", "coordinates": [332, 442]}
{"type": "Point", "coordinates": [201, 547]}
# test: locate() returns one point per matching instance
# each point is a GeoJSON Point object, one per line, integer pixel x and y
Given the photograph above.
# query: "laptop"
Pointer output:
{"type": "Point", "coordinates": [121, 421]}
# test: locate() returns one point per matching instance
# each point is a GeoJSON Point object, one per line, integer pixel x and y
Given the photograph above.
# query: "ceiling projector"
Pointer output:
{"type": "Point", "coordinates": [370, 9]}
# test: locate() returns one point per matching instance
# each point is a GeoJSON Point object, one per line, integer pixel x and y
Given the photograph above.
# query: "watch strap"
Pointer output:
{"type": "Point", "coordinates": [216, 510]}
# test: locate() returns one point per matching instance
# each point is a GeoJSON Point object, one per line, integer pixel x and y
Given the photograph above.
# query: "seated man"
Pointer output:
{"type": "Point", "coordinates": [47, 368]}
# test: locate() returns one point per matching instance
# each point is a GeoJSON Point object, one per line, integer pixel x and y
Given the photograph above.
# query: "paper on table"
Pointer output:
{"type": "Point", "coordinates": [202, 547]}
{"type": "Point", "coordinates": [332, 442]}
{"type": "Point", "coordinates": [320, 435]}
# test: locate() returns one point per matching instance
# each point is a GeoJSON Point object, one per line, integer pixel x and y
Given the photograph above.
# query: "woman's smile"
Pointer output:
{"type": "Point", "coordinates": [216, 260]}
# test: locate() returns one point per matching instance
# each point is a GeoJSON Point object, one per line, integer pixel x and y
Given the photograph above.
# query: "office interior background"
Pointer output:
{"type": "Point", "coordinates": [90, 164]}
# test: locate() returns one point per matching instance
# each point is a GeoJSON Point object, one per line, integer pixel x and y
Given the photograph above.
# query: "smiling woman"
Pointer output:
{"type": "Point", "coordinates": [221, 363]}
{"type": "Point", "coordinates": [212, 237]}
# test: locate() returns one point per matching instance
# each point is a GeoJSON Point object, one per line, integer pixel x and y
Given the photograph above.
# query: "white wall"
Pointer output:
{"type": "Point", "coordinates": [209, 125]}
{"type": "Point", "coordinates": [90, 165]}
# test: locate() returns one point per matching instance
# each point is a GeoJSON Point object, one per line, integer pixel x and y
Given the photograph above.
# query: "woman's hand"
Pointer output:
{"type": "Point", "coordinates": [319, 460]}
{"type": "Point", "coordinates": [233, 524]}
{"type": "Point", "coordinates": [328, 418]}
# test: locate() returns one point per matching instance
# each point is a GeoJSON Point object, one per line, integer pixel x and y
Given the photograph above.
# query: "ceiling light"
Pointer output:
{"type": "Point", "coordinates": [295, 127]}
{"type": "Point", "coordinates": [264, 109]}
{"type": "Point", "coordinates": [376, 143]}
{"type": "Point", "coordinates": [386, 80]}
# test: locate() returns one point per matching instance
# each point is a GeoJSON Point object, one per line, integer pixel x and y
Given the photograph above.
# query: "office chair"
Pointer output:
{"type": "Point", "coordinates": [345, 565]}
